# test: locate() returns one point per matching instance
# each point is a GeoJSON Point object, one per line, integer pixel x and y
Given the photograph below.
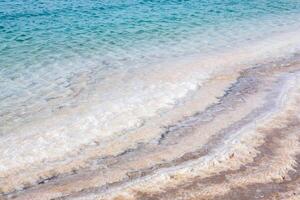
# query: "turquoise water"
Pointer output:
{"type": "Point", "coordinates": [45, 32]}
{"type": "Point", "coordinates": [59, 54]}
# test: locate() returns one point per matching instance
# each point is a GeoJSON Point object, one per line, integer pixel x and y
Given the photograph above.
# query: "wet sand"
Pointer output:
{"type": "Point", "coordinates": [236, 137]}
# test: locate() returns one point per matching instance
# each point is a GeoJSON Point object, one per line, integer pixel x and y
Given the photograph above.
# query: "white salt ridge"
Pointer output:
{"type": "Point", "coordinates": [124, 101]}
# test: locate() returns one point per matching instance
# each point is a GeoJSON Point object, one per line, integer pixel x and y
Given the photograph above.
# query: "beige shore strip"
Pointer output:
{"type": "Point", "coordinates": [236, 137]}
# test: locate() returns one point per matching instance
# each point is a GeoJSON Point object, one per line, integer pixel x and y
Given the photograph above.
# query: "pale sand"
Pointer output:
{"type": "Point", "coordinates": [236, 137]}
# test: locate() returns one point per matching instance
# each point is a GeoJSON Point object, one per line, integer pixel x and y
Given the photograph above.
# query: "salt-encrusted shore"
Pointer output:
{"type": "Point", "coordinates": [139, 99]}
{"type": "Point", "coordinates": [236, 137]}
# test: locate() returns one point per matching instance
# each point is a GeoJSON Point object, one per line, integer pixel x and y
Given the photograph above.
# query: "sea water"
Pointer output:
{"type": "Point", "coordinates": [79, 70]}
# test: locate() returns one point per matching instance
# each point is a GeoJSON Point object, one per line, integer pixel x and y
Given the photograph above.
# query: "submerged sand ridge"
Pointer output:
{"type": "Point", "coordinates": [238, 139]}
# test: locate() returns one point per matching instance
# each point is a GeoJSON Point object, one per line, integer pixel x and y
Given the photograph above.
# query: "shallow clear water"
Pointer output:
{"type": "Point", "coordinates": [100, 55]}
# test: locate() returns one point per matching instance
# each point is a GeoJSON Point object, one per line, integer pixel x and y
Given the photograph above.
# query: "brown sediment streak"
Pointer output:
{"type": "Point", "coordinates": [267, 174]}
{"type": "Point", "coordinates": [237, 137]}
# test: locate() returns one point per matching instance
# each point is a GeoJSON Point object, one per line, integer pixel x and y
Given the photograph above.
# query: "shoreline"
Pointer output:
{"type": "Point", "coordinates": [150, 100]}
{"type": "Point", "coordinates": [246, 125]}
